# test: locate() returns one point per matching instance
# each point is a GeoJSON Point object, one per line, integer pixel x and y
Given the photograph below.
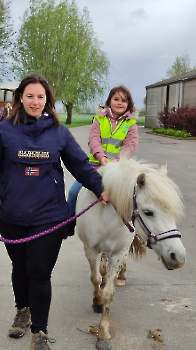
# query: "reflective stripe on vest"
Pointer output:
{"type": "Point", "coordinates": [112, 141]}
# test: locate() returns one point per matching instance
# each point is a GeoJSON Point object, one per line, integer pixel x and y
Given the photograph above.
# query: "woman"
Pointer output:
{"type": "Point", "coordinates": [32, 142]}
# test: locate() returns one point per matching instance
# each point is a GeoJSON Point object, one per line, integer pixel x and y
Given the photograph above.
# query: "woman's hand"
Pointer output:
{"type": "Point", "coordinates": [105, 197]}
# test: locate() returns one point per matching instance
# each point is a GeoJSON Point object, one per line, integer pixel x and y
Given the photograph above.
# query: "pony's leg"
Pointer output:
{"type": "Point", "coordinates": [114, 264]}
{"type": "Point", "coordinates": [104, 259]}
{"type": "Point", "coordinates": [121, 279]}
{"type": "Point", "coordinates": [138, 251]}
{"type": "Point", "coordinates": [96, 279]}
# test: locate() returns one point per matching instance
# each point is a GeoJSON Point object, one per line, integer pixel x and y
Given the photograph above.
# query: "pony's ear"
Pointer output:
{"type": "Point", "coordinates": [163, 169]}
{"type": "Point", "coordinates": [141, 180]}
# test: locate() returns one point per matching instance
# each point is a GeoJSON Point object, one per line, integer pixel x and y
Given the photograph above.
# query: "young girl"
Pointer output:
{"type": "Point", "coordinates": [113, 133]}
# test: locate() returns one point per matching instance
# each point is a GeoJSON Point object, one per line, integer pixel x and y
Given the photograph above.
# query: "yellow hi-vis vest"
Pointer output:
{"type": "Point", "coordinates": [112, 141]}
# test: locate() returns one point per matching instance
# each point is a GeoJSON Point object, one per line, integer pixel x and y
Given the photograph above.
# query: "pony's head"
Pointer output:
{"type": "Point", "coordinates": [159, 204]}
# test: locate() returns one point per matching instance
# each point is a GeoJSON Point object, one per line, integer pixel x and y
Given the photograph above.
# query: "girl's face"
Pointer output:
{"type": "Point", "coordinates": [34, 99]}
{"type": "Point", "coordinates": [118, 104]}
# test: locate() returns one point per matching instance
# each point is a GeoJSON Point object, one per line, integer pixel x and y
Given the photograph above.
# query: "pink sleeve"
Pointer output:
{"type": "Point", "coordinates": [94, 141]}
{"type": "Point", "coordinates": [130, 143]}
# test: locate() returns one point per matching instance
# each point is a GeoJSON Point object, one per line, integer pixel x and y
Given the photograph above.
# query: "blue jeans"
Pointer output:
{"type": "Point", "coordinates": [72, 196]}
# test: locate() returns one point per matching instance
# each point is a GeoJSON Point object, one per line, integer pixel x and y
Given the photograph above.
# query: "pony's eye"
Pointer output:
{"type": "Point", "coordinates": [148, 212]}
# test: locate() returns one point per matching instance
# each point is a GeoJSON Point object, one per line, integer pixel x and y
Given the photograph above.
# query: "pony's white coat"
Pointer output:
{"type": "Point", "coordinates": [101, 229]}
{"type": "Point", "coordinates": [122, 176]}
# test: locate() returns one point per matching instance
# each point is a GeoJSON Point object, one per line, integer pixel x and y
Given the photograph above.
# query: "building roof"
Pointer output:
{"type": "Point", "coordinates": [11, 85]}
{"type": "Point", "coordinates": [181, 77]}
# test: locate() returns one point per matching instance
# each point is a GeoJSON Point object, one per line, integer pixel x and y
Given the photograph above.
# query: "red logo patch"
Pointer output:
{"type": "Point", "coordinates": [29, 171]}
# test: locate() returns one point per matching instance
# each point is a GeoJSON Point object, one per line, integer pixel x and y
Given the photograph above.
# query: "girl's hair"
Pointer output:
{"type": "Point", "coordinates": [122, 88]}
{"type": "Point", "coordinates": [18, 106]}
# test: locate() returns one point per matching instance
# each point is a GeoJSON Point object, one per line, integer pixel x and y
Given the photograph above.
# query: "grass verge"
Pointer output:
{"type": "Point", "coordinates": [86, 119]}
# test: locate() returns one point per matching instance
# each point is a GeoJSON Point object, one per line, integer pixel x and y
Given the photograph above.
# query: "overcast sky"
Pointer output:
{"type": "Point", "coordinates": [141, 37]}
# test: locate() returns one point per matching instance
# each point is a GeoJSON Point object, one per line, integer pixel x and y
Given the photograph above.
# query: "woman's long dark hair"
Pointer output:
{"type": "Point", "coordinates": [18, 106]}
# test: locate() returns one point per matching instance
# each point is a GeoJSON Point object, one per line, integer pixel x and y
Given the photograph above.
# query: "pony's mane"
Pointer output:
{"type": "Point", "coordinates": [119, 179]}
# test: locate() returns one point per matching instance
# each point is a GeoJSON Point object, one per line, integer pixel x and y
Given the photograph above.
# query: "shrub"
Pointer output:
{"type": "Point", "coordinates": [185, 134]}
{"type": "Point", "coordinates": [184, 118]}
{"type": "Point", "coordinates": [171, 132]}
{"type": "Point", "coordinates": [178, 133]}
{"type": "Point", "coordinates": [164, 117]}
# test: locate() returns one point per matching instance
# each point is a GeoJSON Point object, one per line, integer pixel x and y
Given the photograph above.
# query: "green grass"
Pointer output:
{"type": "Point", "coordinates": [77, 120]}
{"type": "Point", "coordinates": [141, 120]}
{"type": "Point", "coordinates": [86, 119]}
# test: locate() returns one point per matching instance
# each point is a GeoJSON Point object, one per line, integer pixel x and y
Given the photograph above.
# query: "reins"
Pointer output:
{"type": "Point", "coordinates": [151, 238]}
{"type": "Point", "coordinates": [30, 238]}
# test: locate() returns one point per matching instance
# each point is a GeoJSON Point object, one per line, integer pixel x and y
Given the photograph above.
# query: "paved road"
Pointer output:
{"type": "Point", "coordinates": [152, 298]}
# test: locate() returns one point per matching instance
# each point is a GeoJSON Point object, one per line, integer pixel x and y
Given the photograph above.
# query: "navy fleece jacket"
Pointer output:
{"type": "Point", "coordinates": [31, 177]}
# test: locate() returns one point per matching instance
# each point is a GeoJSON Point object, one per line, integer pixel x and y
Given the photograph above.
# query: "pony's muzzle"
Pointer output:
{"type": "Point", "coordinates": [175, 260]}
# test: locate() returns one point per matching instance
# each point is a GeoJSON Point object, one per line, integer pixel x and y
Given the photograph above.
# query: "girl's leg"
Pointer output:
{"type": "Point", "coordinates": [72, 196]}
{"type": "Point", "coordinates": [71, 200]}
{"type": "Point", "coordinates": [41, 257]}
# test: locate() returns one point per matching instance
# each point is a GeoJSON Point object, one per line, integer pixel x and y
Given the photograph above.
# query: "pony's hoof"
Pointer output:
{"type": "Point", "coordinates": [97, 308]}
{"type": "Point", "coordinates": [104, 344]}
{"type": "Point", "coordinates": [120, 283]}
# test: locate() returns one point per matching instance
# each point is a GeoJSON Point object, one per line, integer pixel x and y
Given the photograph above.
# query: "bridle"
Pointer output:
{"type": "Point", "coordinates": [152, 239]}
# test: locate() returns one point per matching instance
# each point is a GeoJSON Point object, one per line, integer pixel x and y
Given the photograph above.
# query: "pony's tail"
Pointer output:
{"type": "Point", "coordinates": [137, 250]}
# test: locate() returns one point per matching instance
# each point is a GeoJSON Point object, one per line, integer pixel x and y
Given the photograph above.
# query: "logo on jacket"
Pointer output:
{"type": "Point", "coordinates": [125, 129]}
{"type": "Point", "coordinates": [34, 154]}
{"type": "Point", "coordinates": [29, 171]}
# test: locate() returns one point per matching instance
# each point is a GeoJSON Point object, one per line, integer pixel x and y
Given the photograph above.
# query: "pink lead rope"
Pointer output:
{"type": "Point", "coordinates": [27, 239]}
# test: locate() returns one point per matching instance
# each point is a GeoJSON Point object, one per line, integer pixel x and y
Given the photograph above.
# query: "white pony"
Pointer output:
{"type": "Point", "coordinates": [142, 194]}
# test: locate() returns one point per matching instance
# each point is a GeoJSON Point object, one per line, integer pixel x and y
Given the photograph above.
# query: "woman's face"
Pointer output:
{"type": "Point", "coordinates": [34, 99]}
{"type": "Point", "coordinates": [118, 104]}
